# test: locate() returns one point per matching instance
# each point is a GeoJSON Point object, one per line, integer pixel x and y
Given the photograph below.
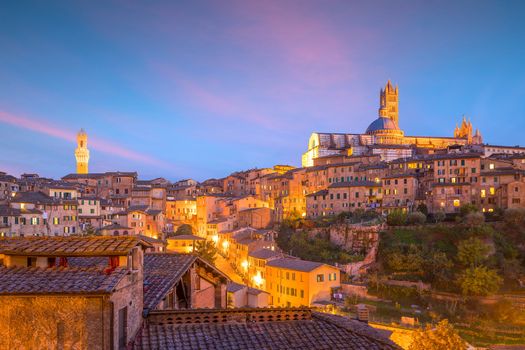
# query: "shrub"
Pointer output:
{"type": "Point", "coordinates": [467, 209]}
{"type": "Point", "coordinates": [439, 216]}
{"type": "Point", "coordinates": [396, 218]}
{"type": "Point", "coordinates": [473, 219]}
{"type": "Point", "coordinates": [416, 218]}
{"type": "Point", "coordinates": [514, 216]}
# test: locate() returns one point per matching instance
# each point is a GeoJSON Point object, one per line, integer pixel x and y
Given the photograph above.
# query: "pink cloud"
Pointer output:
{"type": "Point", "coordinates": [96, 143]}
{"type": "Point", "coordinates": [224, 104]}
{"type": "Point", "coordinates": [309, 46]}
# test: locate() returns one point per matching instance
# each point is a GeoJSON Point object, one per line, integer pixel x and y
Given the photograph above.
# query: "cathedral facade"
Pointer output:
{"type": "Point", "coordinates": [384, 137]}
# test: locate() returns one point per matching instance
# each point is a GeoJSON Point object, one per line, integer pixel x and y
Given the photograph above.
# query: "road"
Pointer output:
{"type": "Point", "coordinates": [222, 264]}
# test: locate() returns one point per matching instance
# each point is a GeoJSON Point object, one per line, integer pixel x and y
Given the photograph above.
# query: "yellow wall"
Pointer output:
{"type": "Point", "coordinates": [181, 245]}
{"type": "Point", "coordinates": [280, 283]}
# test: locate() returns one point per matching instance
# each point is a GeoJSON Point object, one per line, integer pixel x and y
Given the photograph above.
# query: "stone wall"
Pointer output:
{"type": "Point", "coordinates": [53, 322]}
{"type": "Point", "coordinates": [128, 293]}
{"type": "Point", "coordinates": [351, 237]}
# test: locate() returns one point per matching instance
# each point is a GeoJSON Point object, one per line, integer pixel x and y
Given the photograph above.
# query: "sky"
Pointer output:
{"type": "Point", "coordinates": [199, 89]}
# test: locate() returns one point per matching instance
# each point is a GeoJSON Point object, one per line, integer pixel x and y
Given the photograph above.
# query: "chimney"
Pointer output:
{"type": "Point", "coordinates": [362, 313]}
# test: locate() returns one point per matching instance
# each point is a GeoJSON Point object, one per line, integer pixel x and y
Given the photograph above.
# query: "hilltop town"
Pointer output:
{"type": "Point", "coordinates": [341, 234]}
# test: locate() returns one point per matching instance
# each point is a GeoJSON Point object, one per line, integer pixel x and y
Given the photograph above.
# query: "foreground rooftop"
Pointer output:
{"type": "Point", "coordinates": [291, 328]}
{"type": "Point", "coordinates": [70, 246]}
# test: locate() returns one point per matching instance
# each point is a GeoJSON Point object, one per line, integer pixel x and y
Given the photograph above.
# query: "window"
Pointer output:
{"type": "Point", "coordinates": [123, 327]}
{"type": "Point", "coordinates": [320, 278]}
{"type": "Point", "coordinates": [302, 293]}
{"type": "Point", "coordinates": [31, 261]}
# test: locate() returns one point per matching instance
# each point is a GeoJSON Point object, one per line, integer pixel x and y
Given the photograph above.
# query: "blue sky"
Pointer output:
{"type": "Point", "coordinates": [203, 88]}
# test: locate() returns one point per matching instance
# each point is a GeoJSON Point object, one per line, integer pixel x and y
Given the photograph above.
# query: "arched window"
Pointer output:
{"type": "Point", "coordinates": [115, 233]}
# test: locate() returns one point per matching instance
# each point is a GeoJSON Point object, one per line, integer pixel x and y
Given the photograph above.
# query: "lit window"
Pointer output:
{"type": "Point", "coordinates": [456, 202]}
{"type": "Point", "coordinates": [483, 193]}
{"type": "Point", "coordinates": [492, 191]}
{"type": "Point", "coordinates": [491, 166]}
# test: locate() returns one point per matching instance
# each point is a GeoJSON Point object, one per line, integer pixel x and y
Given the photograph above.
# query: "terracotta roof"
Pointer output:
{"type": "Point", "coordinates": [33, 280]}
{"type": "Point", "coordinates": [115, 226]}
{"type": "Point", "coordinates": [264, 253]}
{"type": "Point", "coordinates": [186, 237]}
{"type": "Point", "coordinates": [295, 264]}
{"type": "Point", "coordinates": [161, 272]}
{"type": "Point", "coordinates": [355, 184]}
{"type": "Point", "coordinates": [70, 246]}
{"type": "Point", "coordinates": [318, 193]}
{"type": "Point", "coordinates": [257, 329]}
{"type": "Point", "coordinates": [233, 287]}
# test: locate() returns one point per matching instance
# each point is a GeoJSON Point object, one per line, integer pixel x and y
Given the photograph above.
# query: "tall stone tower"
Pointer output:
{"type": "Point", "coordinates": [82, 153]}
{"type": "Point", "coordinates": [388, 103]}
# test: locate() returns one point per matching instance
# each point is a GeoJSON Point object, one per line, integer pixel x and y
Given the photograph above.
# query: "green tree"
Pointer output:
{"type": "Point", "coordinates": [416, 218]}
{"type": "Point", "coordinates": [472, 252]}
{"type": "Point", "coordinates": [479, 281]}
{"type": "Point", "coordinates": [184, 229]}
{"type": "Point", "coordinates": [442, 337]}
{"type": "Point", "coordinates": [514, 216]}
{"type": "Point", "coordinates": [90, 231]}
{"type": "Point", "coordinates": [438, 268]}
{"type": "Point", "coordinates": [396, 218]}
{"type": "Point", "coordinates": [206, 250]}
{"type": "Point", "coordinates": [439, 216]}
{"type": "Point", "coordinates": [422, 207]}
{"type": "Point", "coordinates": [474, 219]}
{"type": "Point", "coordinates": [405, 259]}
{"type": "Point", "coordinates": [467, 209]}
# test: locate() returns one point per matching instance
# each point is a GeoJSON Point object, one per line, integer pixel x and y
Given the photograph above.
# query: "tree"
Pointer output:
{"type": "Point", "coordinates": [467, 209]}
{"type": "Point", "coordinates": [396, 218]}
{"type": "Point", "coordinates": [409, 259]}
{"type": "Point", "coordinates": [90, 231]}
{"type": "Point", "coordinates": [442, 337]}
{"type": "Point", "coordinates": [474, 219]}
{"type": "Point", "coordinates": [416, 218]}
{"type": "Point", "coordinates": [479, 281]}
{"type": "Point", "coordinates": [438, 268]}
{"type": "Point", "coordinates": [472, 252]}
{"type": "Point", "coordinates": [184, 229]}
{"type": "Point", "coordinates": [514, 216]}
{"type": "Point", "coordinates": [206, 250]}
{"type": "Point", "coordinates": [422, 207]}
{"type": "Point", "coordinates": [439, 216]}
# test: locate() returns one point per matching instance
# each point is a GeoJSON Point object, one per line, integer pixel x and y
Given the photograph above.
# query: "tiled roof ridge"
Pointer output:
{"type": "Point", "coordinates": [350, 325]}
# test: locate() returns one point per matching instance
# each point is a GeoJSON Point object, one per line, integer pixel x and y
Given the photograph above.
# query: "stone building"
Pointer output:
{"type": "Point", "coordinates": [181, 281]}
{"type": "Point", "coordinates": [46, 299]}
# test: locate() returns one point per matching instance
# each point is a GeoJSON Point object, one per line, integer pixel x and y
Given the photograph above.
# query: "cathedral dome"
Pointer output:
{"type": "Point", "coordinates": [381, 123]}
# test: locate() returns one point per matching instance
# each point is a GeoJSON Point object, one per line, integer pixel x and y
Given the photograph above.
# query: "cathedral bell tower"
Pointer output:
{"type": "Point", "coordinates": [82, 153]}
{"type": "Point", "coordinates": [388, 103]}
